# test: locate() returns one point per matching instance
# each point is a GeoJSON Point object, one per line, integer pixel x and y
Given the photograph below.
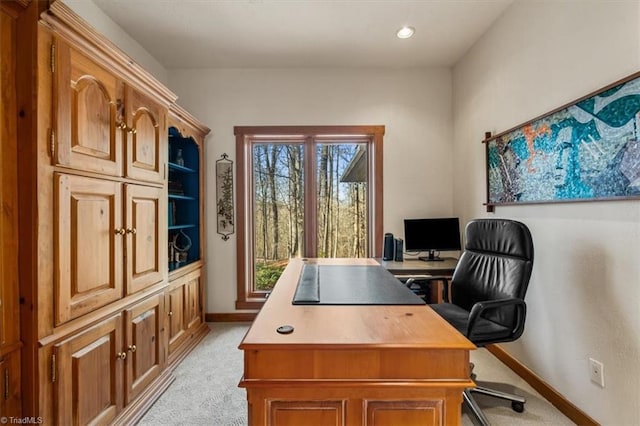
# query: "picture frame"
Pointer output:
{"type": "Point", "coordinates": [587, 150]}
{"type": "Point", "coordinates": [224, 197]}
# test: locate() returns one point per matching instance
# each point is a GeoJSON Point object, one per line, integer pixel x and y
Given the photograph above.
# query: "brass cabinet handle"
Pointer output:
{"type": "Point", "coordinates": [170, 313]}
{"type": "Point", "coordinates": [131, 230]}
{"type": "Point", "coordinates": [120, 231]}
{"type": "Point", "coordinates": [123, 126]}
{"type": "Point", "coordinates": [132, 348]}
{"type": "Point", "coordinates": [121, 355]}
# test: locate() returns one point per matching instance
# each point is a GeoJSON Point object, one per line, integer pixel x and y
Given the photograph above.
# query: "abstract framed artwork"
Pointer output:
{"type": "Point", "coordinates": [586, 150]}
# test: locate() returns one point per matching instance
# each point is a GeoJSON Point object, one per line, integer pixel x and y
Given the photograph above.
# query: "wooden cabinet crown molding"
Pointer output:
{"type": "Point", "coordinates": [67, 24]}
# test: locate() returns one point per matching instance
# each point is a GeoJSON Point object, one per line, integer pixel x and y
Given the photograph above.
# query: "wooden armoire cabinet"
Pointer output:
{"type": "Point", "coordinates": [103, 319]}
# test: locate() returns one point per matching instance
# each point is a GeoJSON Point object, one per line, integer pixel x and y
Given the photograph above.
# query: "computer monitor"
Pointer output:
{"type": "Point", "coordinates": [432, 235]}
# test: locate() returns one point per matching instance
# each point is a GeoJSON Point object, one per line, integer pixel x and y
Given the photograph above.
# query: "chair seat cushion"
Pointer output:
{"type": "Point", "coordinates": [484, 331]}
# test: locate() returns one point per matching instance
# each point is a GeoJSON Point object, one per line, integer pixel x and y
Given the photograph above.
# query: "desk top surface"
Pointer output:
{"type": "Point", "coordinates": [351, 285]}
{"type": "Point", "coordinates": [346, 326]}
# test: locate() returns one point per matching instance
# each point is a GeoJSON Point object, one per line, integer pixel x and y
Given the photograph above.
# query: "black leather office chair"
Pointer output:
{"type": "Point", "coordinates": [487, 292]}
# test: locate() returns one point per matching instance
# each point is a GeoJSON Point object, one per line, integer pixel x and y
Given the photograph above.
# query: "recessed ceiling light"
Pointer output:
{"type": "Point", "coordinates": [405, 32]}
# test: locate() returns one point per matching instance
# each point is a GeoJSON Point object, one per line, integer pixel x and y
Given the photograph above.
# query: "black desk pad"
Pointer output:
{"type": "Point", "coordinates": [351, 285]}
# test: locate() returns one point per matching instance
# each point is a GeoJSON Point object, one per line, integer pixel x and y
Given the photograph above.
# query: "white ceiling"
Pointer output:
{"type": "Point", "coordinates": [303, 33]}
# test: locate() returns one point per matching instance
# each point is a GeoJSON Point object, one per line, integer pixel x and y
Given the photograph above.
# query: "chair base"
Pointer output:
{"type": "Point", "coordinates": [517, 402]}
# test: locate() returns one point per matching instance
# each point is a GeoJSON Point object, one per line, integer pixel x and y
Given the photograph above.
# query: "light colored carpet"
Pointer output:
{"type": "Point", "coordinates": [206, 390]}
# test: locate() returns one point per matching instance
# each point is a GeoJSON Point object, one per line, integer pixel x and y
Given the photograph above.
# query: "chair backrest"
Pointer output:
{"type": "Point", "coordinates": [496, 264]}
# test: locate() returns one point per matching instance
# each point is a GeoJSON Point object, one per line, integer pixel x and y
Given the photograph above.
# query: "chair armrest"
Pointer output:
{"type": "Point", "coordinates": [480, 307]}
{"type": "Point", "coordinates": [410, 279]}
{"type": "Point", "coordinates": [445, 285]}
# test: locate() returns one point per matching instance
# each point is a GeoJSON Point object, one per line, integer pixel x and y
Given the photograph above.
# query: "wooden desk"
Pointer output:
{"type": "Point", "coordinates": [420, 267]}
{"type": "Point", "coordinates": [352, 365]}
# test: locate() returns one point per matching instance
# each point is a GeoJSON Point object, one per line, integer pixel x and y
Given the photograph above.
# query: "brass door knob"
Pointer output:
{"type": "Point", "coordinates": [131, 230]}
{"type": "Point", "coordinates": [132, 348]}
{"type": "Point", "coordinates": [121, 355]}
{"type": "Point", "coordinates": [170, 313]}
{"type": "Point", "coordinates": [120, 231]}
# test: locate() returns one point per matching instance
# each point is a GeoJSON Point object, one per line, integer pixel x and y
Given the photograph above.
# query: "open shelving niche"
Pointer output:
{"type": "Point", "coordinates": [183, 195]}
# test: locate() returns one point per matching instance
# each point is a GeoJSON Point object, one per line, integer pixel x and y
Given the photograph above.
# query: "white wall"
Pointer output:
{"type": "Point", "coordinates": [415, 107]}
{"type": "Point", "coordinates": [584, 295]}
{"type": "Point", "coordinates": [95, 17]}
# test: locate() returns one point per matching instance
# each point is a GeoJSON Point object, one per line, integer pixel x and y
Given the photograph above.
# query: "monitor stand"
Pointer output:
{"type": "Point", "coordinates": [431, 258]}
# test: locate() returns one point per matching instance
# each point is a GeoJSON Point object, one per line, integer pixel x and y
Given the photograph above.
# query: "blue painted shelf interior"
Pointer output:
{"type": "Point", "coordinates": [179, 168]}
{"type": "Point", "coordinates": [174, 227]}
{"type": "Point", "coordinates": [181, 197]}
{"type": "Point", "coordinates": [184, 197]}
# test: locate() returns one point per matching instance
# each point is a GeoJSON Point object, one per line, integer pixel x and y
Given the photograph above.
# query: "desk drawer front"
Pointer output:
{"type": "Point", "coordinates": [295, 413]}
{"type": "Point", "coordinates": [343, 405]}
{"type": "Point", "coordinates": [393, 413]}
{"type": "Point", "coordinates": [357, 364]}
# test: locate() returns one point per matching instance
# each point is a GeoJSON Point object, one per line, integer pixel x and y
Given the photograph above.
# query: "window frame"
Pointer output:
{"type": "Point", "coordinates": [310, 136]}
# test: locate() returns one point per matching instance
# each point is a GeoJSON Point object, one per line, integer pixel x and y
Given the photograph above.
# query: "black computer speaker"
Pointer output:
{"type": "Point", "coordinates": [389, 247]}
{"type": "Point", "coordinates": [398, 249]}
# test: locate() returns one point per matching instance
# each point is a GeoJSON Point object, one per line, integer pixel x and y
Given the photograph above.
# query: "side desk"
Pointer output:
{"type": "Point", "coordinates": [420, 267]}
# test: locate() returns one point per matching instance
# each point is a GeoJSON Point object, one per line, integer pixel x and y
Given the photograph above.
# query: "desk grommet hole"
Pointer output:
{"type": "Point", "coordinates": [285, 329]}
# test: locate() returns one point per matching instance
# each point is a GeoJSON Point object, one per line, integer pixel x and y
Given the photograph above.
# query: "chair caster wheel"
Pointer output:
{"type": "Point", "coordinates": [518, 407]}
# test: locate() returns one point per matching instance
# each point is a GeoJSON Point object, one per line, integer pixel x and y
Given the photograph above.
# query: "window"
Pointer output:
{"type": "Point", "coordinates": [308, 191]}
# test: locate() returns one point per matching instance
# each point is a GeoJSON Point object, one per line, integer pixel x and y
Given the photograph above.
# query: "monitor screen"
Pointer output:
{"type": "Point", "coordinates": [432, 235]}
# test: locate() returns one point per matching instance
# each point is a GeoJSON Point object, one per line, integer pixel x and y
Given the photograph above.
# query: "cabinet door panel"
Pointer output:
{"type": "Point", "coordinates": [10, 398]}
{"type": "Point", "coordinates": [409, 412]}
{"type": "Point", "coordinates": [88, 250]}
{"type": "Point", "coordinates": [145, 138]}
{"type": "Point", "coordinates": [88, 387]}
{"type": "Point", "coordinates": [177, 328]}
{"type": "Point", "coordinates": [146, 352]}
{"type": "Point", "coordinates": [87, 107]}
{"type": "Point", "coordinates": [146, 232]}
{"type": "Point", "coordinates": [192, 312]}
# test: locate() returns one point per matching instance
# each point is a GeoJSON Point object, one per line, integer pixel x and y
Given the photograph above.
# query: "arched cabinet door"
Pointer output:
{"type": "Point", "coordinates": [88, 133]}
{"type": "Point", "coordinates": [146, 135]}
